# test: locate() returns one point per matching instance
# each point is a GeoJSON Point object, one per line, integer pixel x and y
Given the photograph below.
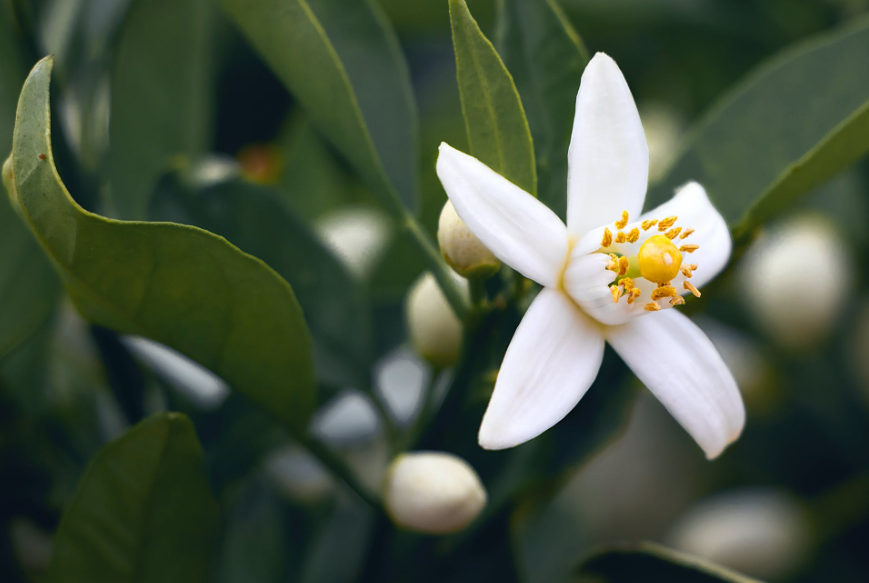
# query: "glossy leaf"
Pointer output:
{"type": "Point", "coordinates": [161, 97]}
{"type": "Point", "coordinates": [546, 57]}
{"type": "Point", "coordinates": [341, 60]}
{"type": "Point", "coordinates": [253, 218]}
{"type": "Point", "coordinates": [181, 286]}
{"type": "Point", "coordinates": [498, 133]}
{"type": "Point", "coordinates": [650, 562]}
{"type": "Point", "coordinates": [144, 511]}
{"type": "Point", "coordinates": [793, 123]}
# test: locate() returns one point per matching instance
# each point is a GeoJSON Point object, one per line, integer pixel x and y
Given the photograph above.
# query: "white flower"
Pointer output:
{"type": "Point", "coordinates": [432, 492]}
{"type": "Point", "coordinates": [604, 278]}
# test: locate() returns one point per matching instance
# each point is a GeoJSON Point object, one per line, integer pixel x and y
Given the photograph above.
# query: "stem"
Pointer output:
{"type": "Point", "coordinates": [478, 292]}
{"type": "Point", "coordinates": [337, 466]}
{"type": "Point", "coordinates": [429, 405]}
{"type": "Point", "coordinates": [438, 267]}
{"type": "Point", "coordinates": [385, 413]}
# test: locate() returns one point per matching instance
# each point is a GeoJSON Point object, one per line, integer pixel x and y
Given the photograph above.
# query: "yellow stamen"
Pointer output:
{"type": "Point", "coordinates": [652, 307]}
{"type": "Point", "coordinates": [685, 233]}
{"type": "Point", "coordinates": [633, 295]}
{"type": "Point", "coordinates": [677, 301]}
{"type": "Point", "coordinates": [690, 287]}
{"type": "Point", "coordinates": [659, 259]}
{"type": "Point", "coordinates": [671, 234]}
{"type": "Point", "coordinates": [622, 223]}
{"type": "Point", "coordinates": [616, 290]}
{"type": "Point", "coordinates": [624, 265]}
{"type": "Point", "coordinates": [620, 237]}
{"type": "Point", "coordinates": [689, 248]}
{"type": "Point", "coordinates": [613, 264]}
{"type": "Point", "coordinates": [663, 291]}
{"type": "Point", "coordinates": [607, 238]}
{"type": "Point", "coordinates": [693, 267]}
{"type": "Point", "coordinates": [649, 224]}
{"type": "Point", "coordinates": [628, 283]}
{"type": "Point", "coordinates": [633, 235]}
{"type": "Point", "coordinates": [665, 224]}
{"type": "Point", "coordinates": [686, 271]}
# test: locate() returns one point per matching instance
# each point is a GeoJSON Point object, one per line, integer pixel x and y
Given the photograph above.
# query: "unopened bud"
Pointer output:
{"type": "Point", "coordinates": [461, 248]}
{"type": "Point", "coordinates": [796, 279]}
{"type": "Point", "coordinates": [432, 492]}
{"type": "Point", "coordinates": [357, 236]}
{"type": "Point", "coordinates": [435, 331]}
{"type": "Point", "coordinates": [762, 533]}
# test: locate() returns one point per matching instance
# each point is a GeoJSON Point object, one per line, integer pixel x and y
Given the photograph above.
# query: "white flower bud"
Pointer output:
{"type": "Point", "coordinates": [435, 331]}
{"type": "Point", "coordinates": [461, 248]}
{"type": "Point", "coordinates": [664, 127]}
{"type": "Point", "coordinates": [432, 492]}
{"type": "Point", "coordinates": [796, 279]}
{"type": "Point", "coordinates": [357, 236]}
{"type": "Point", "coordinates": [762, 533]}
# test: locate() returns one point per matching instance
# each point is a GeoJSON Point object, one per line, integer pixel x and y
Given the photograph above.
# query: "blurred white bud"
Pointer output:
{"type": "Point", "coordinates": [796, 279]}
{"type": "Point", "coordinates": [462, 249]}
{"type": "Point", "coordinates": [401, 377]}
{"type": "Point", "coordinates": [664, 127]}
{"type": "Point", "coordinates": [432, 492]}
{"type": "Point", "coordinates": [762, 533]}
{"type": "Point", "coordinates": [346, 420]}
{"type": "Point", "coordinates": [357, 236]}
{"type": "Point", "coordinates": [298, 474]}
{"type": "Point", "coordinates": [435, 331]}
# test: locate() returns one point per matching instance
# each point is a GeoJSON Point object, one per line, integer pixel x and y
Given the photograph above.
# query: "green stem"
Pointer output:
{"type": "Point", "coordinates": [478, 292]}
{"type": "Point", "coordinates": [340, 470]}
{"type": "Point", "coordinates": [437, 266]}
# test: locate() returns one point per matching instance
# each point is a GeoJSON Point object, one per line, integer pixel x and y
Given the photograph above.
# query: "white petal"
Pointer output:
{"type": "Point", "coordinates": [695, 211]}
{"type": "Point", "coordinates": [552, 360]}
{"type": "Point", "coordinates": [519, 229]}
{"type": "Point", "coordinates": [608, 161]}
{"type": "Point", "coordinates": [680, 365]}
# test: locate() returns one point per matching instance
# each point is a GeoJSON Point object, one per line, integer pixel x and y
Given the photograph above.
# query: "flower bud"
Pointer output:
{"type": "Point", "coordinates": [762, 533]}
{"type": "Point", "coordinates": [432, 492]}
{"type": "Point", "coordinates": [357, 236]}
{"type": "Point", "coordinates": [435, 331]}
{"type": "Point", "coordinates": [796, 279]}
{"type": "Point", "coordinates": [461, 248]}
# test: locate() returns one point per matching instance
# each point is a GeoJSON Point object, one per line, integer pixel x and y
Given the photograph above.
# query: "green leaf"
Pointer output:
{"type": "Point", "coordinates": [253, 218]}
{"type": "Point", "coordinates": [790, 125]}
{"type": "Point", "coordinates": [181, 286]}
{"type": "Point", "coordinates": [651, 562]}
{"type": "Point", "coordinates": [341, 60]}
{"type": "Point", "coordinates": [143, 512]}
{"type": "Point", "coordinates": [546, 57]}
{"type": "Point", "coordinates": [498, 132]}
{"type": "Point", "coordinates": [161, 97]}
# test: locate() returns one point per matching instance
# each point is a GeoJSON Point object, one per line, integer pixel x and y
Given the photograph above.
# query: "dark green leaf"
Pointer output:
{"type": "Point", "coordinates": [253, 218]}
{"type": "Point", "coordinates": [346, 531]}
{"type": "Point", "coordinates": [498, 132]}
{"type": "Point", "coordinates": [651, 563]}
{"type": "Point", "coordinates": [161, 97]}
{"type": "Point", "coordinates": [143, 512]}
{"type": "Point", "coordinates": [342, 61]}
{"type": "Point", "coordinates": [181, 286]}
{"type": "Point", "coordinates": [546, 57]}
{"type": "Point", "coordinates": [792, 124]}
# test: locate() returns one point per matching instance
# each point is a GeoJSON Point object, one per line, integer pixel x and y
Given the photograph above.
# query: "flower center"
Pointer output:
{"type": "Point", "coordinates": [658, 260]}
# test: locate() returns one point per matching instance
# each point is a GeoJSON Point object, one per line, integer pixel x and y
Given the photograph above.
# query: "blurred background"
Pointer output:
{"type": "Point", "coordinates": [789, 502]}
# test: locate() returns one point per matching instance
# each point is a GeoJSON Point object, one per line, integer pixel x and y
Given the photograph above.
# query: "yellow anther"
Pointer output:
{"type": "Point", "coordinates": [689, 248]}
{"type": "Point", "coordinates": [665, 224]}
{"type": "Point", "coordinates": [613, 264]}
{"type": "Point", "coordinates": [622, 223]}
{"type": "Point", "coordinates": [620, 237]}
{"type": "Point", "coordinates": [686, 271]}
{"type": "Point", "coordinates": [693, 267]}
{"type": "Point", "coordinates": [685, 233]}
{"type": "Point", "coordinates": [633, 295]}
{"type": "Point", "coordinates": [671, 234]}
{"type": "Point", "coordinates": [616, 290]}
{"type": "Point", "coordinates": [649, 224]}
{"type": "Point", "coordinates": [607, 238]}
{"type": "Point", "coordinates": [690, 287]}
{"type": "Point", "coordinates": [652, 307]}
{"type": "Point", "coordinates": [659, 259]}
{"type": "Point", "coordinates": [633, 235]}
{"type": "Point", "coordinates": [624, 265]}
{"type": "Point", "coordinates": [663, 291]}
{"type": "Point", "coordinates": [677, 301]}
{"type": "Point", "coordinates": [628, 283]}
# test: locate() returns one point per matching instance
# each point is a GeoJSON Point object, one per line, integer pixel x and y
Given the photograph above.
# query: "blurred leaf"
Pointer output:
{"type": "Point", "coordinates": [346, 531]}
{"type": "Point", "coordinates": [333, 302]}
{"type": "Point", "coordinates": [161, 93]}
{"type": "Point", "coordinates": [342, 61]}
{"type": "Point", "coordinates": [498, 132]}
{"type": "Point", "coordinates": [180, 286]}
{"type": "Point", "coordinates": [143, 512]}
{"type": "Point", "coordinates": [546, 57]}
{"type": "Point", "coordinates": [12, 74]}
{"type": "Point", "coordinates": [651, 562]}
{"type": "Point", "coordinates": [793, 123]}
